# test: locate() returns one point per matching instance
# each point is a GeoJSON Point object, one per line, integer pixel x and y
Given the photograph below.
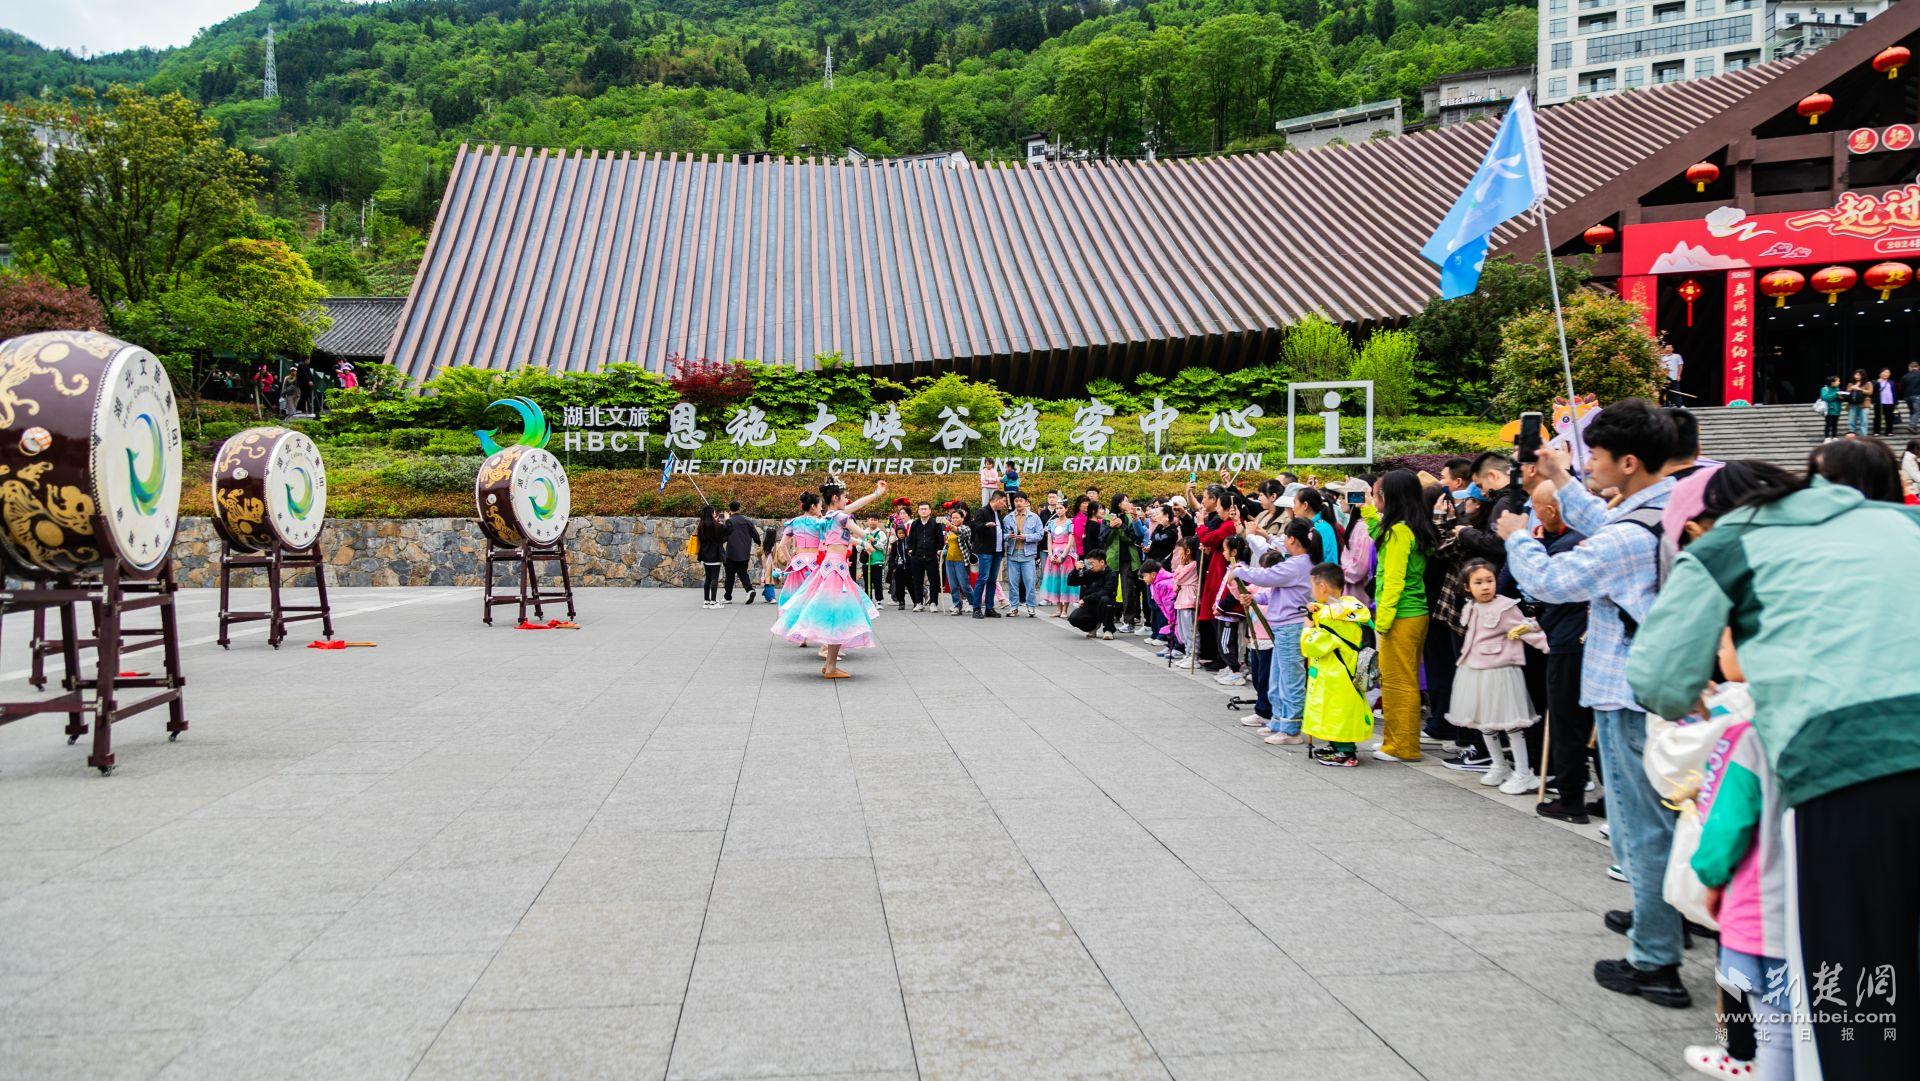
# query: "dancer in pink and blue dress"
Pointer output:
{"type": "Point", "coordinates": [832, 608]}
{"type": "Point", "coordinates": [803, 538]}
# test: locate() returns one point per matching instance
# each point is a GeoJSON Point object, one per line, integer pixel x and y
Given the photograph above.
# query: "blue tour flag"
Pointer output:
{"type": "Point", "coordinates": [666, 471]}
{"type": "Point", "coordinates": [1511, 179]}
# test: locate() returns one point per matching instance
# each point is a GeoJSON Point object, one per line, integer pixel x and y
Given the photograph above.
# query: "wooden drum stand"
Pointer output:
{"type": "Point", "coordinates": [528, 556]}
{"type": "Point", "coordinates": [116, 594]}
{"type": "Point", "coordinates": [277, 559]}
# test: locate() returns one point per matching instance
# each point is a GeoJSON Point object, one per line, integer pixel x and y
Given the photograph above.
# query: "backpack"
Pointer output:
{"type": "Point", "coordinates": [1649, 519]}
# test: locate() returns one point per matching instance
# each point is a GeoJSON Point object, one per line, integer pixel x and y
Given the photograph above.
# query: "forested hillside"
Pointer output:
{"type": "Point", "coordinates": [374, 98]}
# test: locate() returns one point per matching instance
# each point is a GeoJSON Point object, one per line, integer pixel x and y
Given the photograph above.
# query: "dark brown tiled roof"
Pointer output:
{"type": "Point", "coordinates": [362, 326]}
{"type": "Point", "coordinates": [1102, 268]}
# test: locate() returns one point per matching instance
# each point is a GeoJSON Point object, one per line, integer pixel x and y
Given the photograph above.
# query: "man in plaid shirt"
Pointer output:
{"type": "Point", "coordinates": [1617, 570]}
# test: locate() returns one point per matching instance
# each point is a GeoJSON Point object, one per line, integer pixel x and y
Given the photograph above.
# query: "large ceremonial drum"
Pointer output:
{"type": "Point", "coordinates": [269, 485]}
{"type": "Point", "coordinates": [522, 496]}
{"type": "Point", "coordinates": [87, 428]}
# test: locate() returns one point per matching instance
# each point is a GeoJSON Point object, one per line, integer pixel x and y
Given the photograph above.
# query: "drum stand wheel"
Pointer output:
{"type": "Point", "coordinates": [278, 560]}
{"type": "Point", "coordinates": [527, 559]}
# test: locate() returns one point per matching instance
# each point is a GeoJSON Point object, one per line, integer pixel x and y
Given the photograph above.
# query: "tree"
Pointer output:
{"type": "Point", "coordinates": [31, 304]}
{"type": "Point", "coordinates": [342, 164]}
{"type": "Point", "coordinates": [1460, 338]}
{"type": "Point", "coordinates": [247, 298]}
{"type": "Point", "coordinates": [1384, 20]}
{"type": "Point", "coordinates": [1318, 348]}
{"type": "Point", "coordinates": [1614, 356]}
{"type": "Point", "coordinates": [1099, 94]}
{"type": "Point", "coordinates": [1387, 359]}
{"type": "Point", "coordinates": [143, 190]}
{"type": "Point", "coordinates": [932, 128]}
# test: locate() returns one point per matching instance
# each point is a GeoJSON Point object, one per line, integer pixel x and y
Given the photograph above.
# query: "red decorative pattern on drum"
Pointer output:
{"type": "Point", "coordinates": [522, 497]}
{"type": "Point", "coordinates": [88, 431]}
{"type": "Point", "coordinates": [269, 484]}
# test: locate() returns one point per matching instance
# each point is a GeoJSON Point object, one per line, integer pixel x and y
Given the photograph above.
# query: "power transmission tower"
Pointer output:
{"type": "Point", "coordinates": [829, 80]}
{"type": "Point", "coordinates": [270, 85]}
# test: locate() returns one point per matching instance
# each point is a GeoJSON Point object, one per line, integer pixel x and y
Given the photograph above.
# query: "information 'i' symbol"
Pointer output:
{"type": "Point", "coordinates": [1331, 414]}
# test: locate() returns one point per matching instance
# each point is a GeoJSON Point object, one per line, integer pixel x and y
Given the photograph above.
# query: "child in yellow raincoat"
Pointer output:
{"type": "Point", "coordinates": [1336, 712]}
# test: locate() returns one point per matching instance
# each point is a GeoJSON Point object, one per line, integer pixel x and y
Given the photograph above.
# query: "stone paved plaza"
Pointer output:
{"type": "Point", "coordinates": [662, 846]}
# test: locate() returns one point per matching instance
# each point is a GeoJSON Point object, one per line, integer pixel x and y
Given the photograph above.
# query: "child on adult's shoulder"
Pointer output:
{"type": "Point", "coordinates": [1489, 683]}
{"type": "Point", "coordinates": [1336, 712]}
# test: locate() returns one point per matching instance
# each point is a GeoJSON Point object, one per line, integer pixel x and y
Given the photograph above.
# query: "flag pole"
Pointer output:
{"type": "Point", "coordinates": [1560, 326]}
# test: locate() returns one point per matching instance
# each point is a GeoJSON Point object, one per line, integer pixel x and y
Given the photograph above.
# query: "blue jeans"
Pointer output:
{"type": "Point", "coordinates": [1260, 667]}
{"type": "Point", "coordinates": [1913, 413]}
{"type": "Point", "coordinates": [1772, 1024]}
{"type": "Point", "coordinates": [1642, 836]}
{"type": "Point", "coordinates": [956, 583]}
{"type": "Point", "coordinates": [1022, 576]}
{"type": "Point", "coordinates": [1287, 683]}
{"type": "Point", "coordinates": [984, 583]}
{"type": "Point", "coordinates": [1857, 420]}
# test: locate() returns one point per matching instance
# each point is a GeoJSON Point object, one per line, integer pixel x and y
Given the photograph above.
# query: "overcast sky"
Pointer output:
{"type": "Point", "coordinates": [105, 26]}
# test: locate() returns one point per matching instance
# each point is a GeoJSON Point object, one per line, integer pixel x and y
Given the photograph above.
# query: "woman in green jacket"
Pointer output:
{"type": "Point", "coordinates": [1402, 528]}
{"type": "Point", "coordinates": [1831, 397]}
{"type": "Point", "coordinates": [1837, 705]}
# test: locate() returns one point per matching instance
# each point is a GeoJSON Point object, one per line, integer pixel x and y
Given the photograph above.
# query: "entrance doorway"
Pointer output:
{"type": "Point", "coordinates": [1809, 339]}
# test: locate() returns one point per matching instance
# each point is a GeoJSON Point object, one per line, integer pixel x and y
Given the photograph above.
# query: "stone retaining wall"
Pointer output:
{"type": "Point", "coordinates": [451, 552]}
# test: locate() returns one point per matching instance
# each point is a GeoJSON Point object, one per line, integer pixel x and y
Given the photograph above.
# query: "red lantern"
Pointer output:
{"type": "Point", "coordinates": [1690, 291]}
{"type": "Point", "coordinates": [1814, 106]}
{"type": "Point", "coordinates": [1833, 281]}
{"type": "Point", "coordinates": [1892, 59]}
{"type": "Point", "coordinates": [1781, 284]}
{"type": "Point", "coordinates": [1887, 277]}
{"type": "Point", "coordinates": [1702, 173]}
{"type": "Point", "coordinates": [1599, 236]}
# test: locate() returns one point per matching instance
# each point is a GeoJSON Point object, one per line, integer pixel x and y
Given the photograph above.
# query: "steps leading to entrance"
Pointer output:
{"type": "Point", "coordinates": [1781, 434]}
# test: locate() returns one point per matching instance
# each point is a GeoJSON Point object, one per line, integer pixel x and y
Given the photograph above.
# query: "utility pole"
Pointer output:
{"type": "Point", "coordinates": [829, 79]}
{"type": "Point", "coordinates": [270, 84]}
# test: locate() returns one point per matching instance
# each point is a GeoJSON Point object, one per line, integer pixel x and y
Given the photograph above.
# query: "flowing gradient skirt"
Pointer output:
{"type": "Point", "coordinates": [799, 569]}
{"type": "Point", "coordinates": [1053, 581]}
{"type": "Point", "coordinates": [830, 609]}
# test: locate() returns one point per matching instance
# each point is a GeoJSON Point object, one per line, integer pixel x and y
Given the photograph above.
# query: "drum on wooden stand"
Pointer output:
{"type": "Point", "coordinates": [269, 485]}
{"type": "Point", "coordinates": [522, 497]}
{"type": "Point", "coordinates": [269, 503]}
{"type": "Point", "coordinates": [90, 466]}
{"type": "Point", "coordinates": [524, 502]}
{"type": "Point", "coordinates": [89, 434]}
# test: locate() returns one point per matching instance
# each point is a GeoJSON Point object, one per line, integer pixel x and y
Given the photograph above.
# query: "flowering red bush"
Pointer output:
{"type": "Point", "coordinates": [32, 304]}
{"type": "Point", "coordinates": [709, 384]}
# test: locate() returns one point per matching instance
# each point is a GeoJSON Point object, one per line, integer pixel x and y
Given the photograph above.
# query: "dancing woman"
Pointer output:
{"type": "Point", "coordinates": [802, 539]}
{"type": "Point", "coordinates": [832, 608]}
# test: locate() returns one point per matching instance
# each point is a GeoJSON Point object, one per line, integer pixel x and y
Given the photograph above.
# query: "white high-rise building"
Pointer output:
{"type": "Point", "coordinates": [1590, 47]}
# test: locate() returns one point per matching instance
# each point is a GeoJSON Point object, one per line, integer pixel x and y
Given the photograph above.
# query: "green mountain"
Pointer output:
{"type": "Point", "coordinates": [374, 98]}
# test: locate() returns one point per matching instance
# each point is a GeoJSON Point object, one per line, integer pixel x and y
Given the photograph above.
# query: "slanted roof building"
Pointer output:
{"type": "Point", "coordinates": [362, 327]}
{"type": "Point", "coordinates": [1042, 278]}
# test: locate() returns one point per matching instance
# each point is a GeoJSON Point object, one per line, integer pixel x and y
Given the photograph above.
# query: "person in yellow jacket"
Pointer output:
{"type": "Point", "coordinates": [1336, 712]}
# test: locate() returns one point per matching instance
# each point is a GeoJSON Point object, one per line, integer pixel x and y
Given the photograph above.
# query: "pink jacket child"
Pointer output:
{"type": "Point", "coordinates": [1162, 591]}
{"type": "Point", "coordinates": [1484, 628]}
{"type": "Point", "coordinates": [1186, 586]}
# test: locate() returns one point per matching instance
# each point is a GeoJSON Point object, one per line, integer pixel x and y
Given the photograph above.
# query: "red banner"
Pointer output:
{"type": "Point", "coordinates": [1859, 228]}
{"type": "Point", "coordinates": [1739, 338]}
{"type": "Point", "coordinates": [1639, 289]}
